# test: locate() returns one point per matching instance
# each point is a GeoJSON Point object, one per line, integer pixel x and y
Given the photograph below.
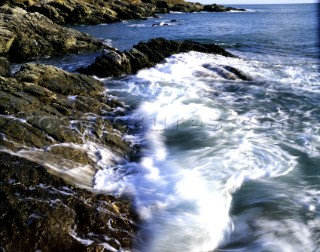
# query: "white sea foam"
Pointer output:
{"type": "Point", "coordinates": [137, 25]}
{"type": "Point", "coordinates": [236, 11]}
{"type": "Point", "coordinates": [199, 148]}
{"type": "Point", "coordinates": [72, 97]}
{"type": "Point", "coordinates": [85, 242]}
{"type": "Point", "coordinates": [107, 42]}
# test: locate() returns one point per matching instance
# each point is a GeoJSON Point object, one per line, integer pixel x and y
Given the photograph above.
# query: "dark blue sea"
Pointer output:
{"type": "Point", "coordinates": [227, 165]}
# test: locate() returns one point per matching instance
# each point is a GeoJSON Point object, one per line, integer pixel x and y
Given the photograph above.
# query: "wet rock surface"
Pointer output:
{"type": "Point", "coordinates": [26, 35]}
{"type": "Point", "coordinates": [41, 212]}
{"type": "Point", "coordinates": [56, 130]}
{"type": "Point", "coordinates": [144, 55]}
{"type": "Point", "coordinates": [54, 111]}
{"type": "Point", "coordinates": [228, 72]}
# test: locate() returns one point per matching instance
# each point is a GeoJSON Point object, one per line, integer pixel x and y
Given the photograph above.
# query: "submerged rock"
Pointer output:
{"type": "Point", "coordinates": [144, 55]}
{"type": "Point", "coordinates": [26, 35]}
{"type": "Point", "coordinates": [238, 73]}
{"type": "Point", "coordinates": [228, 72]}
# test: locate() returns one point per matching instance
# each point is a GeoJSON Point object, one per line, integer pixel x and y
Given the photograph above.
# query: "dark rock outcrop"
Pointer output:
{"type": "Point", "coordinates": [40, 212]}
{"type": "Point", "coordinates": [144, 55]}
{"type": "Point", "coordinates": [26, 35]}
{"type": "Point", "coordinates": [164, 6]}
{"type": "Point", "coordinates": [219, 8]}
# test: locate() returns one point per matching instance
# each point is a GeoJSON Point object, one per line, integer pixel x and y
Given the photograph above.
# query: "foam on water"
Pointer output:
{"type": "Point", "coordinates": [200, 146]}
{"type": "Point", "coordinates": [137, 25]}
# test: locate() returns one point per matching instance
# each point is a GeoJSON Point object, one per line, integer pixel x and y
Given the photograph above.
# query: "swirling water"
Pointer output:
{"type": "Point", "coordinates": [227, 165]}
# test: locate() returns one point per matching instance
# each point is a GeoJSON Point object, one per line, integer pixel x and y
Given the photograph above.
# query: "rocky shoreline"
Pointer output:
{"type": "Point", "coordinates": [58, 128]}
{"type": "Point", "coordinates": [100, 11]}
{"type": "Point", "coordinates": [53, 124]}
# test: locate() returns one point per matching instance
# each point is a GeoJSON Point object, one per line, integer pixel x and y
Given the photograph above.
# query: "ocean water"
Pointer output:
{"type": "Point", "coordinates": [227, 165]}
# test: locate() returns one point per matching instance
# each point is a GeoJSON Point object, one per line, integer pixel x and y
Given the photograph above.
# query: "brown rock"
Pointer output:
{"type": "Point", "coordinates": [41, 212]}
{"type": "Point", "coordinates": [26, 35]}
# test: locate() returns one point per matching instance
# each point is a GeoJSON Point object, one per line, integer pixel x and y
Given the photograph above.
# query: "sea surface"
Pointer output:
{"type": "Point", "coordinates": [227, 165]}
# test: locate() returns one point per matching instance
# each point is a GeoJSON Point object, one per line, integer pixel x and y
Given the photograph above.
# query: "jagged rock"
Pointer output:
{"type": "Point", "coordinates": [238, 73]}
{"type": "Point", "coordinates": [43, 107]}
{"type": "Point", "coordinates": [125, 10]}
{"type": "Point", "coordinates": [187, 7]}
{"type": "Point", "coordinates": [144, 55]}
{"type": "Point", "coordinates": [76, 12]}
{"type": "Point", "coordinates": [4, 67]}
{"type": "Point", "coordinates": [13, 99]}
{"type": "Point", "coordinates": [228, 72]}
{"type": "Point", "coordinates": [113, 62]}
{"type": "Point", "coordinates": [17, 131]}
{"type": "Point", "coordinates": [219, 8]}
{"type": "Point", "coordinates": [52, 121]}
{"type": "Point", "coordinates": [88, 12]}
{"type": "Point", "coordinates": [41, 212]}
{"type": "Point", "coordinates": [70, 153]}
{"type": "Point", "coordinates": [26, 35]}
{"type": "Point", "coordinates": [56, 80]}
{"type": "Point", "coordinates": [6, 39]}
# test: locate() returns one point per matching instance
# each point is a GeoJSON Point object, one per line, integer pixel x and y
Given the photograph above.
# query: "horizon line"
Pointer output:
{"type": "Point", "coordinates": [316, 2]}
{"type": "Point", "coordinates": [269, 3]}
